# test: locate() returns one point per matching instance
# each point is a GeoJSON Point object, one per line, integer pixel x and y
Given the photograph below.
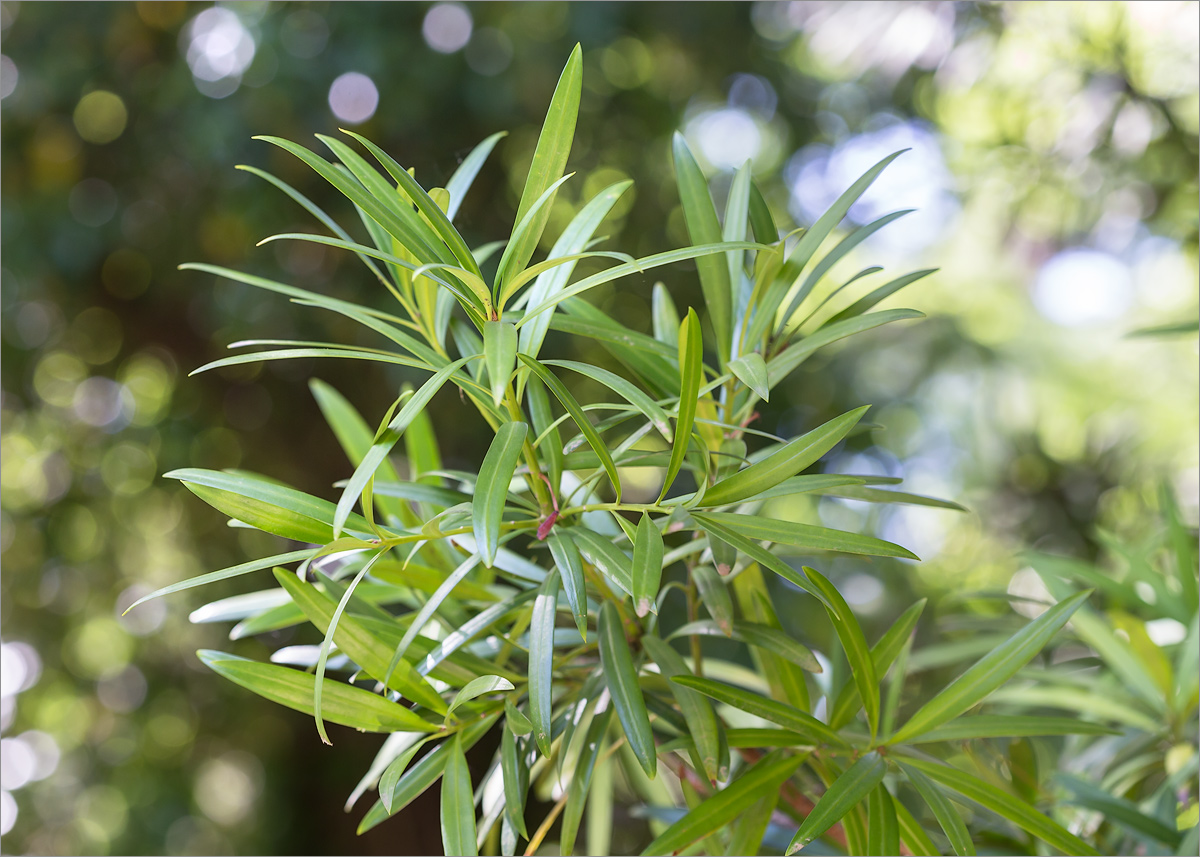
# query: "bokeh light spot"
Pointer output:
{"type": "Point", "coordinates": [1082, 287]}
{"type": "Point", "coordinates": [8, 76]}
{"type": "Point", "coordinates": [100, 116]}
{"type": "Point", "coordinates": [447, 27]}
{"type": "Point", "coordinates": [353, 97]}
{"type": "Point", "coordinates": [92, 202]}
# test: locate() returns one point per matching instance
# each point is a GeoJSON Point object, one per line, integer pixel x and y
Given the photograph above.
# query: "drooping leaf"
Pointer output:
{"type": "Point", "coordinates": [343, 703]}
{"type": "Point", "coordinates": [626, 390]}
{"type": "Point", "coordinates": [762, 636]}
{"type": "Point", "coordinates": [703, 726]}
{"type": "Point", "coordinates": [581, 782]}
{"type": "Point", "coordinates": [541, 660]}
{"type": "Point", "coordinates": [621, 678]}
{"type": "Point", "coordinates": [515, 775]}
{"type": "Point", "coordinates": [947, 816]}
{"type": "Point", "coordinates": [458, 805]}
{"type": "Point", "coordinates": [715, 595]}
{"type": "Point", "coordinates": [477, 687]}
{"type": "Point", "coordinates": [845, 793]}
{"type": "Point", "coordinates": [647, 565]}
{"type": "Point", "coordinates": [570, 568]}
{"type": "Point", "coordinates": [499, 355]}
{"type": "Point", "coordinates": [804, 536]}
{"type": "Point", "coordinates": [751, 370]}
{"type": "Point", "coordinates": [883, 828]}
{"type": "Point", "coordinates": [1121, 810]}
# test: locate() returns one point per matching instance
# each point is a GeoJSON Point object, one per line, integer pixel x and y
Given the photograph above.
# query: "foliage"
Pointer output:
{"type": "Point", "coordinates": [482, 564]}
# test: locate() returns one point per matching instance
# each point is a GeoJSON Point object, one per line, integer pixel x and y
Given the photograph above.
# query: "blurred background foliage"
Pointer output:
{"type": "Point", "coordinates": [1053, 164]}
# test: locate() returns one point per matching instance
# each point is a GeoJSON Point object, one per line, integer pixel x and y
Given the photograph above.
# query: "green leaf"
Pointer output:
{"type": "Point", "coordinates": [783, 464]}
{"type": "Point", "coordinates": [351, 430]}
{"type": "Point", "coordinates": [702, 723]}
{"type": "Point", "coordinates": [577, 414]}
{"type": "Point", "coordinates": [431, 210]}
{"type": "Point", "coordinates": [761, 221]}
{"type": "Point", "coordinates": [762, 636]}
{"type": "Point", "coordinates": [499, 355]}
{"type": "Point", "coordinates": [975, 726]}
{"type": "Point", "coordinates": [812, 239]}
{"type": "Point", "coordinates": [691, 367]}
{"type": "Point", "coordinates": [627, 391]}
{"type": "Point", "coordinates": [395, 769]}
{"type": "Point", "coordinates": [458, 804]}
{"type": "Point", "coordinates": [1124, 812]}
{"type": "Point", "coordinates": [843, 795]}
{"type": "Point", "coordinates": [758, 553]}
{"type": "Point", "coordinates": [603, 554]}
{"type": "Point", "coordinates": [358, 643]}
{"type": "Point", "coordinates": [424, 773]}
{"type": "Point", "coordinates": [783, 363]}
{"type": "Point", "coordinates": [343, 703]}
{"type": "Point", "coordinates": [854, 643]}
{"type": "Point", "coordinates": [887, 289]}
{"type": "Point", "coordinates": [703, 228]}
{"type": "Point", "coordinates": [550, 448]}
{"type": "Point", "coordinates": [570, 567]}
{"type": "Point", "coordinates": [911, 832]}
{"type": "Point", "coordinates": [581, 782]}
{"type": "Point", "coordinates": [638, 352]}
{"type": "Point", "coordinates": [751, 825]}
{"type": "Point", "coordinates": [464, 176]}
{"type": "Point", "coordinates": [723, 807]}
{"type": "Point", "coordinates": [518, 723]}
{"type": "Point", "coordinates": [383, 445]}
{"type": "Point", "coordinates": [883, 828]}
{"type": "Point", "coordinates": [621, 678]}
{"type": "Point", "coordinates": [990, 672]}
{"type": "Point", "coordinates": [495, 474]}
{"type": "Point", "coordinates": [515, 774]}
{"type": "Point", "coordinates": [804, 536]}
{"type": "Point", "coordinates": [263, 516]}
{"type": "Point", "coordinates": [549, 160]}
{"type": "Point", "coordinates": [509, 277]}
{"type": "Point", "coordinates": [647, 566]}
{"type": "Point", "coordinates": [665, 318]}
{"type": "Point", "coordinates": [947, 816]}
{"type": "Point", "coordinates": [715, 595]}
{"type": "Point", "coordinates": [1004, 804]}
{"type": "Point", "coordinates": [751, 370]}
{"type": "Point", "coordinates": [573, 240]}
{"type": "Point", "coordinates": [785, 715]}
{"type": "Point", "coordinates": [541, 661]}
{"type": "Point", "coordinates": [883, 653]}
{"type": "Point", "coordinates": [224, 574]}
{"type": "Point", "coordinates": [478, 687]}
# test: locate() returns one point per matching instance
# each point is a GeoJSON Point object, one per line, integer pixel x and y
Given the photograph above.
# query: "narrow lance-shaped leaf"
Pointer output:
{"type": "Point", "coordinates": [845, 793]}
{"type": "Point", "coordinates": [626, 390]}
{"type": "Point", "coordinates": [665, 317]}
{"type": "Point", "coordinates": [785, 715]}
{"type": "Point", "coordinates": [947, 816]}
{"type": "Point", "coordinates": [1004, 804]}
{"type": "Point", "coordinates": [724, 806]}
{"type": "Point", "coordinates": [464, 176]}
{"type": "Point", "coordinates": [704, 228]}
{"type": "Point", "coordinates": [697, 711]}
{"type": "Point", "coordinates": [541, 661]}
{"type": "Point", "coordinates": [854, 643]}
{"type": "Point", "coordinates": [499, 355]}
{"type": "Point", "coordinates": [883, 829]}
{"type": "Point", "coordinates": [970, 727]}
{"type": "Point", "coordinates": [570, 566]}
{"type": "Point", "coordinates": [763, 636]}
{"type": "Point", "coordinates": [495, 474]}
{"type": "Point", "coordinates": [785, 463]}
{"type": "Point", "coordinates": [572, 407]}
{"type": "Point", "coordinates": [804, 536]}
{"type": "Point", "coordinates": [647, 565]}
{"type": "Point", "coordinates": [383, 445]}
{"type": "Point", "coordinates": [691, 369]}
{"type": "Point", "coordinates": [343, 703]}
{"type": "Point", "coordinates": [783, 363]}
{"type": "Point", "coordinates": [477, 687]}
{"type": "Point", "coordinates": [511, 763]}
{"type": "Point", "coordinates": [458, 805]}
{"type": "Point", "coordinates": [224, 574]}
{"type": "Point", "coordinates": [621, 678]}
{"type": "Point", "coordinates": [581, 782]}
{"type": "Point", "coordinates": [549, 158]}
{"type": "Point", "coordinates": [715, 595]}
{"type": "Point", "coordinates": [883, 654]}
{"type": "Point", "coordinates": [989, 673]}
{"type": "Point", "coordinates": [395, 770]}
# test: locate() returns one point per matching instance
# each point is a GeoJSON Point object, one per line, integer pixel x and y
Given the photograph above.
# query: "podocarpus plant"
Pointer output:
{"type": "Point", "coordinates": [523, 599]}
